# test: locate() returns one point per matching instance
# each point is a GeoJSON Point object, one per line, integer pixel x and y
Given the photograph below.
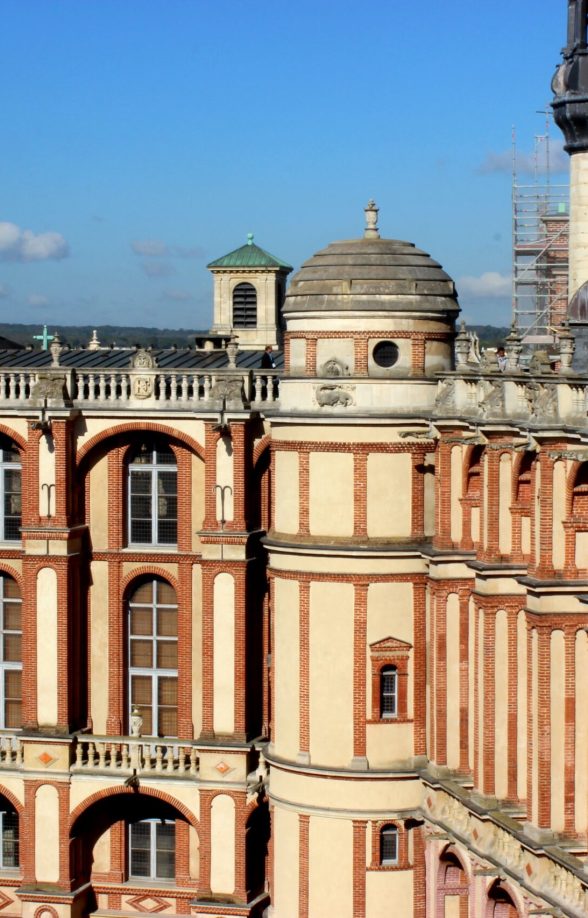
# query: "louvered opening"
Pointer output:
{"type": "Point", "coordinates": [244, 306]}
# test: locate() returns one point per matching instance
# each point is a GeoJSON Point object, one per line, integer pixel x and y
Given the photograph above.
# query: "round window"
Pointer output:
{"type": "Point", "coordinates": [385, 353]}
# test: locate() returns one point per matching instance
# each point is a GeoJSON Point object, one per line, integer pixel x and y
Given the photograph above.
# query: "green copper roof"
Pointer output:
{"type": "Point", "coordinates": [249, 256]}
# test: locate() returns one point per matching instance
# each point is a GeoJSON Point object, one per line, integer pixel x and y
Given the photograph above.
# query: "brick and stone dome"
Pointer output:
{"type": "Point", "coordinates": [371, 274]}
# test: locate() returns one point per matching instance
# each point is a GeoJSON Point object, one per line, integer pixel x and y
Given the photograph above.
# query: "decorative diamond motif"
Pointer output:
{"type": "Point", "coordinates": [46, 759]}
{"type": "Point", "coordinates": [4, 900]}
{"type": "Point", "coordinates": [222, 768]}
{"type": "Point", "coordinates": [150, 904]}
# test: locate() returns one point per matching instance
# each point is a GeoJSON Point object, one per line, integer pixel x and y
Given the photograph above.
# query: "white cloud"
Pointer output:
{"type": "Point", "coordinates": [149, 248]}
{"type": "Point", "coordinates": [489, 284]}
{"type": "Point", "coordinates": [37, 299]}
{"type": "Point", "coordinates": [17, 244]}
{"type": "Point", "coordinates": [158, 269]}
{"type": "Point", "coordinates": [179, 296]}
{"type": "Point", "coordinates": [526, 163]}
{"type": "Point", "coordinates": [4, 291]}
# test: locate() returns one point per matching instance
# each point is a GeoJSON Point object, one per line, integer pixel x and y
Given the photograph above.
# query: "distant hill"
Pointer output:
{"type": "Point", "coordinates": [129, 335]}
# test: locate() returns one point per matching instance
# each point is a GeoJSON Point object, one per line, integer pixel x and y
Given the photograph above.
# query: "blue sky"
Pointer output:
{"type": "Point", "coordinates": [143, 138]}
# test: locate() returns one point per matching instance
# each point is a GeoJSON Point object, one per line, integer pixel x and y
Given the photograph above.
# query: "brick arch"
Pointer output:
{"type": "Point", "coordinates": [18, 806]}
{"type": "Point", "coordinates": [13, 435]}
{"type": "Point", "coordinates": [45, 910]}
{"type": "Point", "coordinates": [97, 797]}
{"type": "Point", "coordinates": [136, 427]}
{"type": "Point", "coordinates": [5, 568]}
{"type": "Point", "coordinates": [148, 570]}
{"type": "Point", "coordinates": [452, 851]}
{"type": "Point", "coordinates": [571, 484]}
{"type": "Point", "coordinates": [495, 889]}
{"type": "Point", "coordinates": [260, 449]}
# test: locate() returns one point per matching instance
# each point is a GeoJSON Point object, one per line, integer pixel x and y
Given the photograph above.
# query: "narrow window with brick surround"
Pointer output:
{"type": "Point", "coordinates": [10, 654]}
{"type": "Point", "coordinates": [152, 845]}
{"type": "Point", "coordinates": [153, 657]}
{"type": "Point", "coordinates": [389, 660]}
{"type": "Point", "coordinates": [153, 496]}
{"type": "Point", "coordinates": [388, 691]}
{"type": "Point", "coordinates": [10, 486]}
{"type": "Point", "coordinates": [388, 846]}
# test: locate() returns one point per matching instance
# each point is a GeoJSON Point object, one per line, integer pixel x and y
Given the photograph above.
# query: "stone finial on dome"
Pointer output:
{"type": "Point", "coordinates": [371, 220]}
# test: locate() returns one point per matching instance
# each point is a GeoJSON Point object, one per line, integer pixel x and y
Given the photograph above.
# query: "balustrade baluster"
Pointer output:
{"type": "Point", "coordinates": [112, 396]}
{"type": "Point", "coordinates": [184, 395]}
{"type": "Point", "coordinates": [18, 753]}
{"type": "Point", "coordinates": [12, 386]}
{"type": "Point", "coordinates": [101, 747]}
{"type": "Point", "coordinates": [158, 759]}
{"type": "Point", "coordinates": [257, 387]}
{"type": "Point", "coordinates": [206, 388]}
{"type": "Point", "coordinates": [169, 758]}
{"type": "Point", "coordinates": [124, 757]}
{"type": "Point", "coordinates": [79, 752]}
{"type": "Point", "coordinates": [102, 387]}
{"type": "Point", "coordinates": [173, 395]}
{"type": "Point", "coordinates": [193, 761]}
{"type": "Point", "coordinates": [91, 760]}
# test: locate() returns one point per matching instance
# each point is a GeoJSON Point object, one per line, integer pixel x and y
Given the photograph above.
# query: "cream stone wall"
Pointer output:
{"type": "Point", "coordinates": [99, 638]}
{"type": "Point", "coordinates": [522, 676]}
{"type": "Point", "coordinates": [47, 678]}
{"type": "Point", "coordinates": [578, 244]}
{"type": "Point", "coordinates": [197, 649]}
{"type": "Point", "coordinates": [389, 743]}
{"type": "Point", "coordinates": [99, 504]}
{"type": "Point", "coordinates": [101, 854]}
{"type": "Point", "coordinates": [194, 853]}
{"type": "Point", "coordinates": [297, 355]}
{"type": "Point", "coordinates": [559, 513]}
{"type": "Point", "coordinates": [581, 733]}
{"type": "Point", "coordinates": [456, 493]}
{"type": "Point", "coordinates": [197, 501]}
{"type": "Point", "coordinates": [222, 845]}
{"type": "Point", "coordinates": [331, 673]}
{"type": "Point", "coordinates": [286, 668]}
{"type": "Point", "coordinates": [505, 498]}
{"type": "Point", "coordinates": [438, 356]}
{"type": "Point", "coordinates": [390, 614]}
{"type": "Point", "coordinates": [389, 495]}
{"type": "Point", "coordinates": [324, 792]}
{"type": "Point", "coordinates": [47, 834]}
{"type": "Point", "coordinates": [330, 871]}
{"type": "Point", "coordinates": [386, 891]}
{"type": "Point", "coordinates": [501, 698]}
{"type": "Point", "coordinates": [331, 494]}
{"type": "Point", "coordinates": [557, 724]}
{"type": "Point", "coordinates": [286, 860]}
{"type": "Point", "coordinates": [224, 477]}
{"type": "Point", "coordinates": [287, 491]}
{"type": "Point", "coordinates": [46, 474]}
{"type": "Point", "coordinates": [342, 349]}
{"type": "Point", "coordinates": [224, 654]}
{"type": "Point", "coordinates": [452, 719]}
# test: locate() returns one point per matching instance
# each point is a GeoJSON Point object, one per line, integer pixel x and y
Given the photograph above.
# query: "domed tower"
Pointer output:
{"type": "Point", "coordinates": [369, 322]}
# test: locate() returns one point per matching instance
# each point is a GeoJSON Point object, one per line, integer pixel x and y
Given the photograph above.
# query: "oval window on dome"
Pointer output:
{"type": "Point", "coordinates": [385, 353]}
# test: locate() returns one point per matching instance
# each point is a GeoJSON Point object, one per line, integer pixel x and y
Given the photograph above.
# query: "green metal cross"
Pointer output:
{"type": "Point", "coordinates": [45, 338]}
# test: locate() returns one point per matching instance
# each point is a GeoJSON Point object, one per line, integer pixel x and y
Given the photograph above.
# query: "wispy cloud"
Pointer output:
{"type": "Point", "coordinates": [180, 296]}
{"type": "Point", "coordinates": [156, 248]}
{"type": "Point", "coordinates": [18, 244]}
{"type": "Point", "coordinates": [158, 268]}
{"type": "Point", "coordinates": [490, 284]}
{"type": "Point", "coordinates": [526, 163]}
{"type": "Point", "coordinates": [39, 300]}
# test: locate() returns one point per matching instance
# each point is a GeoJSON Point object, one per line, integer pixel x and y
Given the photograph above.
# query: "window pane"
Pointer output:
{"type": "Point", "coordinates": [141, 531]}
{"type": "Point", "coordinates": [10, 852]}
{"type": "Point", "coordinates": [12, 714]}
{"type": "Point", "coordinates": [166, 595]}
{"type": "Point", "coordinates": [141, 506]}
{"type": "Point", "coordinates": [12, 648]}
{"type": "Point", "coordinates": [168, 722]}
{"type": "Point", "coordinates": [11, 589]}
{"type": "Point", "coordinates": [142, 654]}
{"type": "Point", "coordinates": [165, 456]}
{"type": "Point", "coordinates": [141, 686]}
{"type": "Point", "coordinates": [389, 843]}
{"type": "Point", "coordinates": [141, 621]}
{"type": "Point", "coordinates": [143, 593]}
{"type": "Point", "coordinates": [140, 482]}
{"type": "Point", "coordinates": [167, 654]}
{"type": "Point", "coordinates": [140, 845]}
{"type": "Point", "coordinates": [12, 616]}
{"type": "Point", "coordinates": [167, 532]}
{"type": "Point", "coordinates": [165, 866]}
{"type": "Point", "coordinates": [12, 698]}
{"type": "Point", "coordinates": [167, 690]}
{"type": "Point", "coordinates": [167, 483]}
{"type": "Point", "coordinates": [167, 622]}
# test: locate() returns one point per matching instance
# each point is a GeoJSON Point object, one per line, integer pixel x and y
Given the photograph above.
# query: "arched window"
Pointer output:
{"type": "Point", "coordinates": [9, 849]}
{"type": "Point", "coordinates": [153, 657]}
{"type": "Point", "coordinates": [10, 487]}
{"type": "Point", "coordinates": [388, 846]}
{"type": "Point", "coordinates": [152, 844]}
{"type": "Point", "coordinates": [10, 654]}
{"type": "Point", "coordinates": [580, 493]}
{"type": "Point", "coordinates": [388, 691]}
{"type": "Point", "coordinates": [153, 496]}
{"type": "Point", "coordinates": [244, 306]}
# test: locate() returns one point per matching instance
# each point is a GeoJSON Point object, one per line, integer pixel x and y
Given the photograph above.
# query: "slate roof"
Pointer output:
{"type": "Point", "coordinates": [120, 358]}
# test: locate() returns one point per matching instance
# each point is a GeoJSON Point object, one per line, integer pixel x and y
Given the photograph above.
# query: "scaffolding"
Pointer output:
{"type": "Point", "coordinates": [540, 220]}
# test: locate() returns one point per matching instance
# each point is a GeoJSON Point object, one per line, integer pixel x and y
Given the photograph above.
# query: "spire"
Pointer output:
{"type": "Point", "coordinates": [371, 220]}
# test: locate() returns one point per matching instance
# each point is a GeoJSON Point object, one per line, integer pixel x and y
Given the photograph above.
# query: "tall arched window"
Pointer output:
{"type": "Point", "coordinates": [244, 306]}
{"type": "Point", "coordinates": [9, 835]}
{"type": "Point", "coordinates": [153, 657]}
{"type": "Point", "coordinates": [10, 487]}
{"type": "Point", "coordinates": [388, 691]}
{"type": "Point", "coordinates": [153, 496]}
{"type": "Point", "coordinates": [10, 654]}
{"type": "Point", "coordinates": [388, 846]}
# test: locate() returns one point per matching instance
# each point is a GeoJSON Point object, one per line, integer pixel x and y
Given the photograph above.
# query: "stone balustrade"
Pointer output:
{"type": "Point", "coordinates": [131, 388]}
{"type": "Point", "coordinates": [10, 751]}
{"type": "Point", "coordinates": [125, 756]}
